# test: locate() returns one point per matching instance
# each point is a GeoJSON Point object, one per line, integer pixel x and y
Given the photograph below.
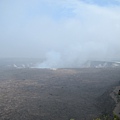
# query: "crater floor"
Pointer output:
{"type": "Point", "coordinates": [56, 94]}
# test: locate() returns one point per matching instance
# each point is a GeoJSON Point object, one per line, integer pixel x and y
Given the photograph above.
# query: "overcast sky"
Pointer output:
{"type": "Point", "coordinates": [67, 30]}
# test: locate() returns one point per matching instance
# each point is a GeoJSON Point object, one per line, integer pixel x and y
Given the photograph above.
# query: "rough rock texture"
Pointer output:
{"type": "Point", "coordinates": [62, 94]}
{"type": "Point", "coordinates": [116, 98]}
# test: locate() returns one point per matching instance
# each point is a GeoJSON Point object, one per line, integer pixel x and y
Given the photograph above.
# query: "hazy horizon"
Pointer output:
{"type": "Point", "coordinates": [65, 32]}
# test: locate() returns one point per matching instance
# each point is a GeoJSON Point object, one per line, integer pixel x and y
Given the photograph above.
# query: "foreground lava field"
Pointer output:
{"type": "Point", "coordinates": [62, 94]}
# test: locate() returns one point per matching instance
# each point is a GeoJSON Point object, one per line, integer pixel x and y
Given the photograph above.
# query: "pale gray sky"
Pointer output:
{"type": "Point", "coordinates": [70, 30]}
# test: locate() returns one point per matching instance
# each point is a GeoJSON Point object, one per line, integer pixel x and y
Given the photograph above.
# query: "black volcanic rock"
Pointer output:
{"type": "Point", "coordinates": [59, 94]}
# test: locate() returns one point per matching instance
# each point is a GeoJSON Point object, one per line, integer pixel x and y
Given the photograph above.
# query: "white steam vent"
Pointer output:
{"type": "Point", "coordinates": [52, 60]}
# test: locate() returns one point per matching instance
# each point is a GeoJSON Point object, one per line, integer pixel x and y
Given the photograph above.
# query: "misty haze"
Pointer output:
{"type": "Point", "coordinates": [59, 60]}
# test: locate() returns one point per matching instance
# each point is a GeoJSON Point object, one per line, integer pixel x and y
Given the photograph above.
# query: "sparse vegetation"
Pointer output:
{"type": "Point", "coordinates": [115, 118]}
{"type": "Point", "coordinates": [72, 119]}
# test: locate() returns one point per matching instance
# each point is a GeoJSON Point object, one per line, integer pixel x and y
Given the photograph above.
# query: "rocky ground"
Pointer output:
{"type": "Point", "coordinates": [116, 98]}
{"type": "Point", "coordinates": [62, 94]}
